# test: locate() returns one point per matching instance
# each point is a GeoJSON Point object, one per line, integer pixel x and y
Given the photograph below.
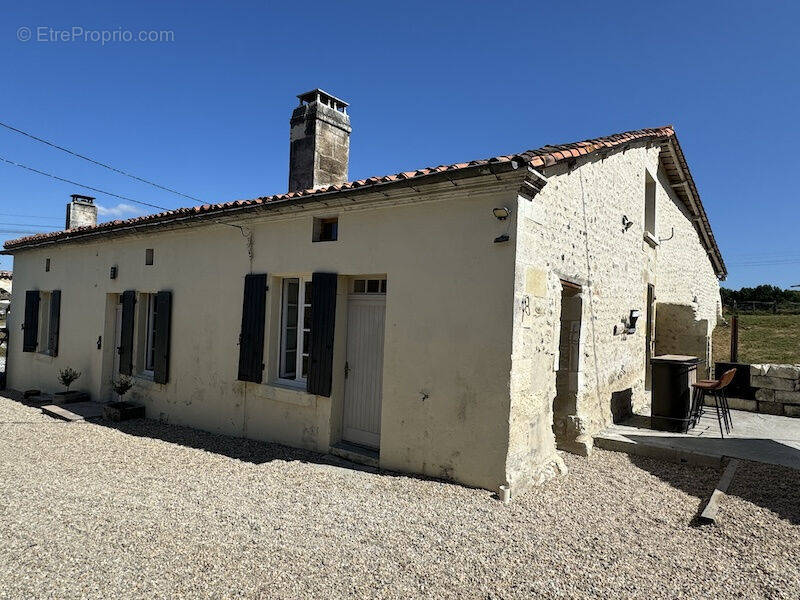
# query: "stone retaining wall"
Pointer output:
{"type": "Point", "coordinates": [778, 388]}
{"type": "Point", "coordinates": [777, 391]}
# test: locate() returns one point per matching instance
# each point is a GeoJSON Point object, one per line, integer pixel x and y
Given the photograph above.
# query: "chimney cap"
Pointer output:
{"type": "Point", "coordinates": [318, 95]}
{"type": "Point", "coordinates": [82, 198]}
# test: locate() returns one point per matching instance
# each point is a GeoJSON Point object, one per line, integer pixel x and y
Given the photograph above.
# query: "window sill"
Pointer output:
{"type": "Point", "coordinates": [650, 239]}
{"type": "Point", "coordinates": [144, 376]}
{"type": "Point", "coordinates": [282, 392]}
{"type": "Point", "coordinates": [43, 357]}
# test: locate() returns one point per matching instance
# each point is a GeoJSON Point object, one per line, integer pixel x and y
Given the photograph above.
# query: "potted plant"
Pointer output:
{"type": "Point", "coordinates": [67, 377]}
{"type": "Point", "coordinates": [121, 410]}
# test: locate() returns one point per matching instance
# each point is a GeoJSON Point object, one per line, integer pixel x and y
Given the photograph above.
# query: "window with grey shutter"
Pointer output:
{"type": "Point", "coordinates": [125, 349]}
{"type": "Point", "coordinates": [55, 322]}
{"type": "Point", "coordinates": [323, 317]}
{"type": "Point", "coordinates": [162, 334]}
{"type": "Point", "coordinates": [251, 336]}
{"type": "Point", "coordinates": [30, 327]}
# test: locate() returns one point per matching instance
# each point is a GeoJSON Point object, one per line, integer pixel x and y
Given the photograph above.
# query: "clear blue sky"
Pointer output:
{"type": "Point", "coordinates": [429, 83]}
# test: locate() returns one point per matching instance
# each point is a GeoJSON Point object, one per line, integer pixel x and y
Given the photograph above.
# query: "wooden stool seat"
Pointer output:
{"type": "Point", "coordinates": [706, 384]}
{"type": "Point", "coordinates": [717, 389]}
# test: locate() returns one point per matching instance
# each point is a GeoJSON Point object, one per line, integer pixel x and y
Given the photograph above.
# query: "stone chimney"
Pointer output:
{"type": "Point", "coordinates": [81, 211]}
{"type": "Point", "coordinates": [319, 141]}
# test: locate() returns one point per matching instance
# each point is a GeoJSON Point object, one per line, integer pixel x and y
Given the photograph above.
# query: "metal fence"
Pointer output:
{"type": "Point", "coordinates": [762, 307]}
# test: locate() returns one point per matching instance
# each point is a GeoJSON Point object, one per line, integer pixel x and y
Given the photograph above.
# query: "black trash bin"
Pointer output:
{"type": "Point", "coordinates": [671, 404]}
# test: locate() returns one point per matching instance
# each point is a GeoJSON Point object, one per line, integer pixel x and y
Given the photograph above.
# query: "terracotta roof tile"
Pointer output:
{"type": "Point", "coordinates": [544, 156]}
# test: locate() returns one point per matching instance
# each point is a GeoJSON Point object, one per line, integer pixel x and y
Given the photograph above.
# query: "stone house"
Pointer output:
{"type": "Point", "coordinates": [6, 283]}
{"type": "Point", "coordinates": [460, 321]}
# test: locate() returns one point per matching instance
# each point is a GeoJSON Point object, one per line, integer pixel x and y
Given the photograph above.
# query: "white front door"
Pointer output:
{"type": "Point", "coordinates": [364, 370]}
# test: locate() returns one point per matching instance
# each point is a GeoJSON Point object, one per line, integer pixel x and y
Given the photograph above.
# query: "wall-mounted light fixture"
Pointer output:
{"type": "Point", "coordinates": [501, 238]}
{"type": "Point", "coordinates": [634, 316]}
{"type": "Point", "coordinates": [501, 214]}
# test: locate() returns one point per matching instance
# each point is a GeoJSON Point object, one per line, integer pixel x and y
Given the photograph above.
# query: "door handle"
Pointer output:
{"type": "Point", "coordinates": [346, 369]}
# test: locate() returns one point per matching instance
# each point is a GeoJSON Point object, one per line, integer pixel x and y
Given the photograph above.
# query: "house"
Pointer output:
{"type": "Point", "coordinates": [460, 321]}
{"type": "Point", "coordinates": [6, 280]}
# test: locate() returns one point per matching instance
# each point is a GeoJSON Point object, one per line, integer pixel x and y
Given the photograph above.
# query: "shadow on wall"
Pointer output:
{"type": "Point", "coordinates": [622, 405]}
{"type": "Point", "coordinates": [768, 486]}
{"type": "Point", "coordinates": [678, 331]}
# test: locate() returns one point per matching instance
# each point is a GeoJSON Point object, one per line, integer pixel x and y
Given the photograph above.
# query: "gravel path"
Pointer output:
{"type": "Point", "coordinates": [156, 511]}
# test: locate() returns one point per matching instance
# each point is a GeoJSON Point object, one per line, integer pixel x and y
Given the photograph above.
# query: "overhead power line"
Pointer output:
{"type": "Point", "coordinates": [28, 225]}
{"type": "Point", "coordinates": [83, 185]}
{"type": "Point", "coordinates": [31, 217]}
{"type": "Point", "coordinates": [21, 231]}
{"type": "Point", "coordinates": [98, 163]}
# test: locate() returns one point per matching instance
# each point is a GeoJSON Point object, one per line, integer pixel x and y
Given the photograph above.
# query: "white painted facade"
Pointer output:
{"type": "Point", "coordinates": [470, 337]}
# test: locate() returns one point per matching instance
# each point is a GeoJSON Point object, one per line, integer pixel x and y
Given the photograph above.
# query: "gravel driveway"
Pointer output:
{"type": "Point", "coordinates": [155, 511]}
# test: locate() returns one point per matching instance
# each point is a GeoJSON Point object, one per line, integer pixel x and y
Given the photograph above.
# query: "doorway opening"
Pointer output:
{"type": "Point", "coordinates": [366, 314]}
{"type": "Point", "coordinates": [565, 404]}
{"type": "Point", "coordinates": [648, 336]}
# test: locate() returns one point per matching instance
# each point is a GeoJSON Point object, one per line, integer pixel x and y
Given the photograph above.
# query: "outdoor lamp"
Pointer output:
{"type": "Point", "coordinates": [634, 316]}
{"type": "Point", "coordinates": [501, 214]}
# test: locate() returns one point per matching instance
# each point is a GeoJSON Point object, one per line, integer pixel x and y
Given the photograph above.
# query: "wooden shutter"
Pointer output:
{"type": "Point", "coordinates": [323, 316]}
{"type": "Point", "coordinates": [251, 337]}
{"type": "Point", "coordinates": [30, 337]}
{"type": "Point", "coordinates": [55, 322]}
{"type": "Point", "coordinates": [163, 318]}
{"type": "Point", "coordinates": [125, 349]}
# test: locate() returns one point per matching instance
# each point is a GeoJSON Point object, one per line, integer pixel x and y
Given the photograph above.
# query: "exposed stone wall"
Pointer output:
{"type": "Point", "coordinates": [679, 331]}
{"type": "Point", "coordinates": [573, 230]}
{"type": "Point", "coordinates": [319, 146]}
{"type": "Point", "coordinates": [81, 213]}
{"type": "Point", "coordinates": [687, 288]}
{"type": "Point", "coordinates": [777, 393]}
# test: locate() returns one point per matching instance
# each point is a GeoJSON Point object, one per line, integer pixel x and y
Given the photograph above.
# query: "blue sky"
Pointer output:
{"type": "Point", "coordinates": [429, 83]}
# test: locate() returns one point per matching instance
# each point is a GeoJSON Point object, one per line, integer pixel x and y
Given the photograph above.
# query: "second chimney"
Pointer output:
{"type": "Point", "coordinates": [319, 141]}
{"type": "Point", "coordinates": [81, 212]}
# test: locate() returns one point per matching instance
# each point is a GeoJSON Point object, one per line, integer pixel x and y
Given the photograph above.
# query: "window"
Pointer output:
{"type": "Point", "coordinates": [369, 286]}
{"type": "Point", "coordinates": [146, 333]}
{"type": "Point", "coordinates": [47, 265]}
{"type": "Point", "coordinates": [148, 256]}
{"type": "Point", "coordinates": [295, 328]}
{"type": "Point", "coordinates": [150, 339]}
{"type": "Point", "coordinates": [326, 230]}
{"type": "Point", "coordinates": [43, 344]}
{"type": "Point", "coordinates": [649, 205]}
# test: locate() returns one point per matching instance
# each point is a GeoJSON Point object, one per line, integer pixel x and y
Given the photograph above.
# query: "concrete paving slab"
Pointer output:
{"type": "Point", "coordinates": [75, 411]}
{"type": "Point", "coordinates": [764, 438]}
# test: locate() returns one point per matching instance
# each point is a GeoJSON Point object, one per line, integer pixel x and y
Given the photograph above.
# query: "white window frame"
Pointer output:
{"type": "Point", "coordinates": [302, 328]}
{"type": "Point", "coordinates": [360, 286]}
{"type": "Point", "coordinates": [150, 335]}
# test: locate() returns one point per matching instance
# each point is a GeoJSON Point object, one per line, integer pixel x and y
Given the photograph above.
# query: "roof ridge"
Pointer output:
{"type": "Point", "coordinates": [544, 156]}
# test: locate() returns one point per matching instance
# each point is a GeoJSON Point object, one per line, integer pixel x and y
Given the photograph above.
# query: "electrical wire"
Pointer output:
{"type": "Point", "coordinates": [88, 187]}
{"type": "Point", "coordinates": [29, 225]}
{"type": "Point", "coordinates": [98, 163]}
{"type": "Point", "coordinates": [31, 217]}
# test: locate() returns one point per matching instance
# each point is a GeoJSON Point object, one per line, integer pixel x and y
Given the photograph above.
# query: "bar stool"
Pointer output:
{"type": "Point", "coordinates": [715, 387]}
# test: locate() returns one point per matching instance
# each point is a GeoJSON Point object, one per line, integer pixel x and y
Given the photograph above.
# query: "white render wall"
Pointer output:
{"type": "Point", "coordinates": [447, 352]}
{"type": "Point", "coordinates": [572, 230]}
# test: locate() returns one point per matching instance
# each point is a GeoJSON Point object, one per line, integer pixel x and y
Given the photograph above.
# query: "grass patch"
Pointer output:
{"type": "Point", "coordinates": [762, 339]}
